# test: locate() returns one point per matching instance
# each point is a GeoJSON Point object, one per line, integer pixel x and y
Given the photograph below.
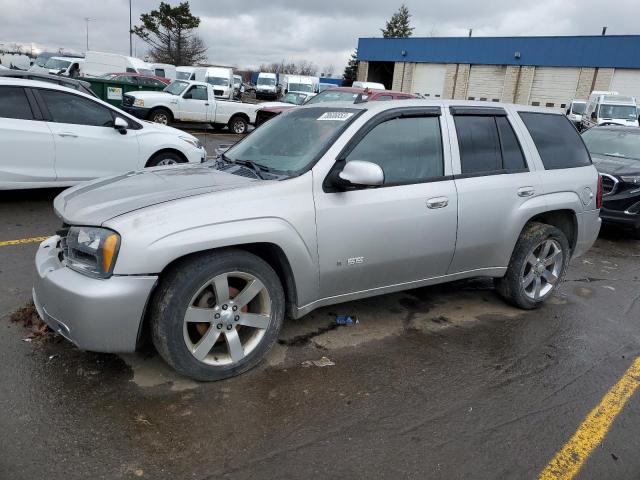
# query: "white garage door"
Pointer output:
{"type": "Point", "coordinates": [626, 82]}
{"type": "Point", "coordinates": [486, 82]}
{"type": "Point", "coordinates": [428, 79]}
{"type": "Point", "coordinates": [554, 87]}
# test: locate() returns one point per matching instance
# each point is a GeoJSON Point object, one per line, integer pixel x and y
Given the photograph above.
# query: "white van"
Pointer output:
{"type": "Point", "coordinates": [186, 73]}
{"type": "Point", "coordinates": [575, 110]}
{"type": "Point", "coordinates": [63, 66]}
{"type": "Point", "coordinates": [98, 63]}
{"type": "Point", "coordinates": [299, 84]}
{"type": "Point", "coordinates": [220, 77]}
{"type": "Point", "coordinates": [267, 85]}
{"type": "Point", "coordinates": [609, 108]}
{"type": "Point", "coordinates": [164, 70]}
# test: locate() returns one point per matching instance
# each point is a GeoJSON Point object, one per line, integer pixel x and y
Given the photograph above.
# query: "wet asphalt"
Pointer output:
{"type": "Point", "coordinates": [441, 382]}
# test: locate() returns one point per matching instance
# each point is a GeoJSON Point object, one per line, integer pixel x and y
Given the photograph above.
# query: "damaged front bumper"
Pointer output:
{"type": "Point", "coordinates": [100, 315]}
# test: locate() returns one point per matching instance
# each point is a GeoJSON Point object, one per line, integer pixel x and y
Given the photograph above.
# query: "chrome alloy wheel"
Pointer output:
{"type": "Point", "coordinates": [167, 161]}
{"type": "Point", "coordinates": [542, 269]}
{"type": "Point", "coordinates": [161, 118]}
{"type": "Point", "coordinates": [227, 318]}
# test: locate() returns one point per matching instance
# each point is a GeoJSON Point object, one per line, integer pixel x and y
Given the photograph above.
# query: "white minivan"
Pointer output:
{"type": "Point", "coordinates": [54, 136]}
{"type": "Point", "coordinates": [99, 63]}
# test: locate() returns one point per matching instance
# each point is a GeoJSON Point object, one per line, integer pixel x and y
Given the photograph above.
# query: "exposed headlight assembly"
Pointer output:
{"type": "Point", "coordinates": [138, 102]}
{"type": "Point", "coordinates": [193, 141]}
{"type": "Point", "coordinates": [92, 250]}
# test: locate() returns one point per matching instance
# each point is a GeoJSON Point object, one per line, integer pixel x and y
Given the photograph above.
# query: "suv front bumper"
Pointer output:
{"type": "Point", "coordinates": [101, 315]}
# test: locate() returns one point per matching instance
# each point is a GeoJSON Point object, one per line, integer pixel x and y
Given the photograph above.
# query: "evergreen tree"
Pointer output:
{"type": "Point", "coordinates": [350, 74]}
{"type": "Point", "coordinates": [398, 26]}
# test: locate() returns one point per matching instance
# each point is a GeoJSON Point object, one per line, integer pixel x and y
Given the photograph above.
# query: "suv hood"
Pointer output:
{"type": "Point", "coordinates": [95, 202]}
{"type": "Point", "coordinates": [616, 165]}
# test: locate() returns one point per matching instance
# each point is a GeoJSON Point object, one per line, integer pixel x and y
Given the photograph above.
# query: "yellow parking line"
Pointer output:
{"type": "Point", "coordinates": [21, 241]}
{"type": "Point", "coordinates": [568, 461]}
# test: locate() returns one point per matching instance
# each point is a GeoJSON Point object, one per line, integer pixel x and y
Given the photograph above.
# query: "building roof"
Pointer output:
{"type": "Point", "coordinates": [618, 51]}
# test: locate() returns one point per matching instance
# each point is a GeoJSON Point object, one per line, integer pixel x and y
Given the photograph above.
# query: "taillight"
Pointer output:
{"type": "Point", "coordinates": [599, 194]}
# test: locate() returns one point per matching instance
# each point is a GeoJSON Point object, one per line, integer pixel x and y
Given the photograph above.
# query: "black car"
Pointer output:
{"type": "Point", "coordinates": [616, 154]}
{"type": "Point", "coordinates": [80, 85]}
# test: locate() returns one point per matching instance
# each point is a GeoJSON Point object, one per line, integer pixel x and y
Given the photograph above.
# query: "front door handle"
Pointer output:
{"type": "Point", "coordinates": [437, 202]}
{"type": "Point", "coordinates": [526, 191]}
{"type": "Point", "coordinates": [67, 134]}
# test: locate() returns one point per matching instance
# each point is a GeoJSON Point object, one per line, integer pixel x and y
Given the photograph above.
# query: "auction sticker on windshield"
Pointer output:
{"type": "Point", "coordinates": [338, 116]}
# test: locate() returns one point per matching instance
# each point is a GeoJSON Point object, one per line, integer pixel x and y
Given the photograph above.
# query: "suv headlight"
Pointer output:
{"type": "Point", "coordinates": [193, 141]}
{"type": "Point", "coordinates": [92, 250]}
{"type": "Point", "coordinates": [138, 102]}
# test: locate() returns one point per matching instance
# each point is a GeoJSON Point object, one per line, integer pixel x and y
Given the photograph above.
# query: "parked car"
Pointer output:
{"type": "Point", "coordinates": [335, 94]}
{"type": "Point", "coordinates": [300, 83]}
{"type": "Point", "coordinates": [606, 109]}
{"type": "Point", "coordinates": [325, 204]}
{"type": "Point", "coordinates": [616, 154]}
{"type": "Point", "coordinates": [73, 83]}
{"type": "Point", "coordinates": [56, 136]}
{"type": "Point", "coordinates": [137, 79]}
{"type": "Point", "coordinates": [63, 66]}
{"type": "Point", "coordinates": [187, 101]}
{"type": "Point", "coordinates": [221, 78]}
{"type": "Point", "coordinates": [575, 110]}
{"type": "Point", "coordinates": [371, 85]}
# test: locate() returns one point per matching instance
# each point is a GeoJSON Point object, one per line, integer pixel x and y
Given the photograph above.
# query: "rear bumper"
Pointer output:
{"type": "Point", "coordinates": [138, 112]}
{"type": "Point", "coordinates": [95, 314]}
{"type": "Point", "coordinates": [588, 229]}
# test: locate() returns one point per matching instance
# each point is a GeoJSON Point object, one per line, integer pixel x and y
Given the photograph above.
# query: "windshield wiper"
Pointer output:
{"type": "Point", "coordinates": [256, 167]}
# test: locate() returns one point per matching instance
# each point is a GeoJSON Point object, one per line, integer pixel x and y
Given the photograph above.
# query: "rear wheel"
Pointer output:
{"type": "Point", "coordinates": [238, 125]}
{"type": "Point", "coordinates": [537, 266]}
{"type": "Point", "coordinates": [160, 115]}
{"type": "Point", "coordinates": [218, 314]}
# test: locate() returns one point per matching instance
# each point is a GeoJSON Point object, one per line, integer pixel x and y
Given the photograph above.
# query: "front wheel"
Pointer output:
{"type": "Point", "coordinates": [164, 159]}
{"type": "Point", "coordinates": [160, 116]}
{"type": "Point", "coordinates": [216, 315]}
{"type": "Point", "coordinates": [537, 266]}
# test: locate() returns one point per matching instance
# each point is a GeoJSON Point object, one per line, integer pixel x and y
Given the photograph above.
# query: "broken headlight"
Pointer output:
{"type": "Point", "coordinates": [92, 250]}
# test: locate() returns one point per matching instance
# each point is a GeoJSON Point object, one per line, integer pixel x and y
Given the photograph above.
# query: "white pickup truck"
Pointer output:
{"type": "Point", "coordinates": [190, 101]}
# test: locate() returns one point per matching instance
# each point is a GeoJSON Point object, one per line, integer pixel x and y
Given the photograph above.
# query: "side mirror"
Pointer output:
{"type": "Point", "coordinates": [121, 125]}
{"type": "Point", "coordinates": [361, 173]}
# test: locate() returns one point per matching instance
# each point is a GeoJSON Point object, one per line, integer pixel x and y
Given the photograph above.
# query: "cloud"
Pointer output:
{"type": "Point", "coordinates": [251, 32]}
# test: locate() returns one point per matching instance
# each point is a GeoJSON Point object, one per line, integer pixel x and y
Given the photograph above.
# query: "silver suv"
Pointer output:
{"type": "Point", "coordinates": [321, 205]}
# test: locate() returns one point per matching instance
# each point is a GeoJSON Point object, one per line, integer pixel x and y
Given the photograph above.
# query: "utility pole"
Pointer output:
{"type": "Point", "coordinates": [86, 19]}
{"type": "Point", "coordinates": [130, 34]}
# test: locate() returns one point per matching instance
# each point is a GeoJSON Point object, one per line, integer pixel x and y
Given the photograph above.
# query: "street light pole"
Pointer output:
{"type": "Point", "coordinates": [130, 34]}
{"type": "Point", "coordinates": [86, 19]}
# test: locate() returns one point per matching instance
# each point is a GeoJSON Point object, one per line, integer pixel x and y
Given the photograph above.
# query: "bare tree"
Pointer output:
{"type": "Point", "coordinates": [329, 70]}
{"type": "Point", "coordinates": [303, 67]}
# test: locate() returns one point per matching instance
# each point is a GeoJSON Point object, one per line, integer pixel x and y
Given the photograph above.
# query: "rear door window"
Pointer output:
{"type": "Point", "coordinates": [68, 108]}
{"type": "Point", "coordinates": [557, 140]}
{"type": "Point", "coordinates": [14, 104]}
{"type": "Point", "coordinates": [488, 145]}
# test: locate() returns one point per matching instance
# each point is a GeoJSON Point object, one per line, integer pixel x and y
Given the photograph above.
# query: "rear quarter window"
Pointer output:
{"type": "Point", "coordinates": [557, 141]}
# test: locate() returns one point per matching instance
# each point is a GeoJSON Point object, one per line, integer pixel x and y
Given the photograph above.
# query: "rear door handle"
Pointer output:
{"type": "Point", "coordinates": [437, 202]}
{"type": "Point", "coordinates": [526, 191]}
{"type": "Point", "coordinates": [68, 134]}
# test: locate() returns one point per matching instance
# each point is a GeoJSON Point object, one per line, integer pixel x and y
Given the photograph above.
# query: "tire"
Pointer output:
{"type": "Point", "coordinates": [185, 344]}
{"type": "Point", "coordinates": [161, 116]}
{"type": "Point", "coordinates": [530, 280]}
{"type": "Point", "coordinates": [238, 125]}
{"type": "Point", "coordinates": [165, 159]}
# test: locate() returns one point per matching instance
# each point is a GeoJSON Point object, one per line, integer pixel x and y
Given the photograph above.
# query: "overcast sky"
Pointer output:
{"type": "Point", "coordinates": [246, 33]}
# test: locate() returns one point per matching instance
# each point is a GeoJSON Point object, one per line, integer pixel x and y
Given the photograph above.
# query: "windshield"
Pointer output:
{"type": "Point", "coordinates": [292, 140]}
{"type": "Point", "coordinates": [266, 81]}
{"type": "Point", "coordinates": [183, 75]}
{"type": "Point", "coordinates": [176, 88]}
{"type": "Point", "coordinates": [300, 87]}
{"type": "Point", "coordinates": [622, 112]}
{"type": "Point", "coordinates": [333, 96]}
{"type": "Point", "coordinates": [218, 81]}
{"type": "Point", "coordinates": [57, 64]}
{"type": "Point", "coordinates": [294, 98]}
{"type": "Point", "coordinates": [578, 108]}
{"type": "Point", "coordinates": [616, 143]}
{"type": "Point", "coordinates": [41, 60]}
